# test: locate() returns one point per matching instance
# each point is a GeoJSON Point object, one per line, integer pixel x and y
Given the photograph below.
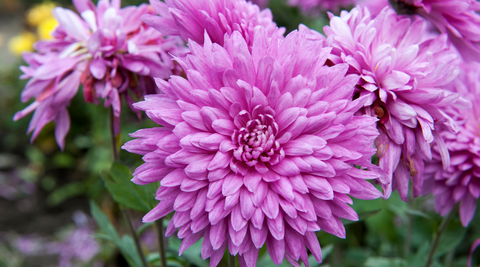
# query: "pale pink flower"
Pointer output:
{"type": "Point", "coordinates": [108, 49]}
{"type": "Point", "coordinates": [403, 74]}
{"type": "Point", "coordinates": [190, 19]}
{"type": "Point", "coordinates": [257, 147]}
{"type": "Point", "coordinates": [459, 183]}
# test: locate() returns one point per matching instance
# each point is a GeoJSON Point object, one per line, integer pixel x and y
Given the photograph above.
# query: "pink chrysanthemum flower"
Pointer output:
{"type": "Point", "coordinates": [190, 19]}
{"type": "Point", "coordinates": [257, 147]}
{"type": "Point", "coordinates": [109, 50]}
{"type": "Point", "coordinates": [403, 74]}
{"type": "Point", "coordinates": [457, 18]}
{"type": "Point", "coordinates": [315, 6]}
{"type": "Point", "coordinates": [461, 181]}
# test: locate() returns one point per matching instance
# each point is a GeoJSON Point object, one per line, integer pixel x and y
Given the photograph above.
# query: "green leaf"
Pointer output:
{"type": "Point", "coordinates": [154, 259]}
{"type": "Point", "coordinates": [362, 216]}
{"type": "Point", "coordinates": [104, 223]}
{"type": "Point", "coordinates": [384, 262]}
{"type": "Point", "coordinates": [65, 192]}
{"type": "Point", "coordinates": [102, 236]}
{"type": "Point", "coordinates": [418, 214]}
{"type": "Point", "coordinates": [420, 257]}
{"type": "Point", "coordinates": [192, 254]}
{"type": "Point", "coordinates": [123, 191]}
{"type": "Point", "coordinates": [326, 251]}
{"type": "Point", "coordinates": [144, 227]}
{"type": "Point", "coordinates": [451, 238]}
{"type": "Point", "coordinates": [125, 244]}
{"type": "Point", "coordinates": [128, 250]}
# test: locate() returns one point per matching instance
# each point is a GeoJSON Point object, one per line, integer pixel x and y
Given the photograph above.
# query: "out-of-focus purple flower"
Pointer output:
{"type": "Point", "coordinates": [374, 6]}
{"type": "Point", "coordinates": [257, 147]}
{"type": "Point", "coordinates": [13, 187]}
{"type": "Point", "coordinates": [190, 19]}
{"type": "Point", "coordinates": [109, 50]}
{"type": "Point", "coordinates": [403, 75]}
{"type": "Point", "coordinates": [460, 183]}
{"type": "Point", "coordinates": [315, 6]}
{"type": "Point", "coordinates": [457, 18]}
{"type": "Point", "coordinates": [77, 246]}
{"type": "Point", "coordinates": [30, 245]}
{"type": "Point", "coordinates": [80, 245]}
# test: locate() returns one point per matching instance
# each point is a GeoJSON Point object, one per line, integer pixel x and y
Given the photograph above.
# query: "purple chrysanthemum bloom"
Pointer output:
{"type": "Point", "coordinates": [457, 18]}
{"type": "Point", "coordinates": [257, 147]}
{"type": "Point", "coordinates": [315, 6]}
{"type": "Point", "coordinates": [109, 50]}
{"type": "Point", "coordinates": [190, 19]}
{"type": "Point", "coordinates": [461, 181]}
{"type": "Point", "coordinates": [403, 74]}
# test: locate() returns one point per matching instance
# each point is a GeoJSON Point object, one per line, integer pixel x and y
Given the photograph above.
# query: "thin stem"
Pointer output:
{"type": "Point", "coordinates": [408, 236]}
{"type": "Point", "coordinates": [114, 138]}
{"type": "Point", "coordinates": [231, 260]}
{"type": "Point", "coordinates": [126, 214]}
{"type": "Point", "coordinates": [161, 242]}
{"type": "Point", "coordinates": [449, 258]}
{"type": "Point", "coordinates": [441, 229]}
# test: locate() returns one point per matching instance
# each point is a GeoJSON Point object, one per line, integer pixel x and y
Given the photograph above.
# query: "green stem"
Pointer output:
{"type": "Point", "coordinates": [126, 214]}
{"type": "Point", "coordinates": [409, 222]}
{"type": "Point", "coordinates": [231, 260]}
{"type": "Point", "coordinates": [449, 258]}
{"type": "Point", "coordinates": [161, 242]}
{"type": "Point", "coordinates": [441, 229]}
{"type": "Point", "coordinates": [114, 138]}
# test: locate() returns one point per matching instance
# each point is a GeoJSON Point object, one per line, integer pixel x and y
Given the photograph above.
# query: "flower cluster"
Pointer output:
{"type": "Point", "coordinates": [257, 147]}
{"type": "Point", "coordinates": [460, 182]}
{"type": "Point", "coordinates": [403, 74]}
{"type": "Point", "coordinates": [190, 19]}
{"type": "Point", "coordinates": [108, 50]}
{"type": "Point", "coordinates": [457, 18]}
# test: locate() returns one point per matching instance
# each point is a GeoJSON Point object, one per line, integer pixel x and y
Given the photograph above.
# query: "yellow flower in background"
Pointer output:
{"type": "Point", "coordinates": [21, 43]}
{"type": "Point", "coordinates": [39, 13]}
{"type": "Point", "coordinates": [46, 27]}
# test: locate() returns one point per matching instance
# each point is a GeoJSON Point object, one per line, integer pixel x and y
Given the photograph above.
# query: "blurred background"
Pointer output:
{"type": "Point", "coordinates": [44, 192]}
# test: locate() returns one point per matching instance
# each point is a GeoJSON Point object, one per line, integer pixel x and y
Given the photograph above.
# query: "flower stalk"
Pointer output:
{"type": "Point", "coordinates": [125, 211]}
{"type": "Point", "coordinates": [128, 220]}
{"type": "Point", "coordinates": [231, 260]}
{"type": "Point", "coordinates": [441, 229]}
{"type": "Point", "coordinates": [115, 149]}
{"type": "Point", "coordinates": [161, 242]}
{"type": "Point", "coordinates": [409, 222]}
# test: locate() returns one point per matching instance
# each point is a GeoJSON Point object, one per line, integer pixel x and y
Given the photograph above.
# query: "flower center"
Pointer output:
{"type": "Point", "coordinates": [256, 137]}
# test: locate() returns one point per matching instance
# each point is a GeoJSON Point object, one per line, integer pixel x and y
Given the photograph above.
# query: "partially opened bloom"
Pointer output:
{"type": "Point", "coordinates": [190, 19]}
{"type": "Point", "coordinates": [403, 73]}
{"type": "Point", "coordinates": [460, 183]}
{"type": "Point", "coordinates": [256, 147]}
{"type": "Point", "coordinates": [457, 18]}
{"type": "Point", "coordinates": [109, 50]}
